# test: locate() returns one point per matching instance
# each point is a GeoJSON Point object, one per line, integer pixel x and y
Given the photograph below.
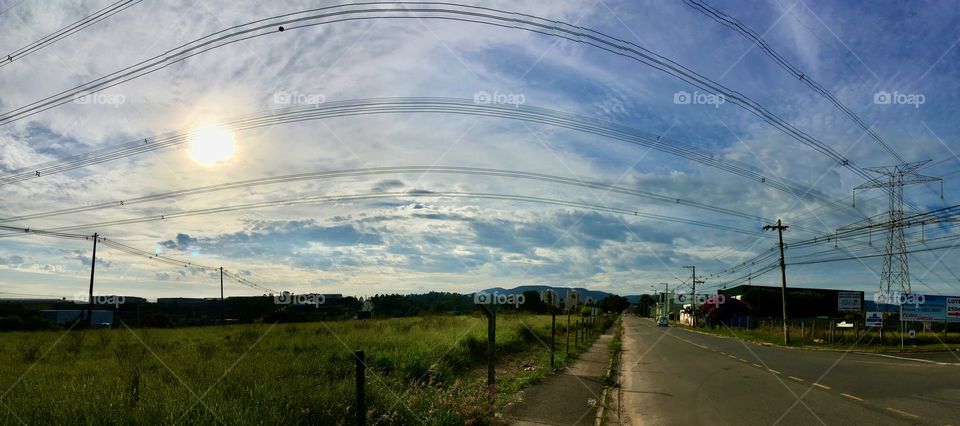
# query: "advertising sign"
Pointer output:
{"type": "Point", "coordinates": [953, 308]}
{"type": "Point", "coordinates": [849, 301]}
{"type": "Point", "coordinates": [924, 308]}
{"type": "Point", "coordinates": [874, 319]}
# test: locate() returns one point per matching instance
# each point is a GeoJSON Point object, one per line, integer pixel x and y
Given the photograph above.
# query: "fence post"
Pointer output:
{"type": "Point", "coordinates": [361, 388]}
{"type": "Point", "coordinates": [553, 335]}
{"type": "Point", "coordinates": [568, 334]}
{"type": "Point", "coordinates": [576, 335]}
{"type": "Point", "coordinates": [491, 352]}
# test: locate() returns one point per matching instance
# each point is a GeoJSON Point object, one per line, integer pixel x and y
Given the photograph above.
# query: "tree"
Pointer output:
{"type": "Point", "coordinates": [614, 303]}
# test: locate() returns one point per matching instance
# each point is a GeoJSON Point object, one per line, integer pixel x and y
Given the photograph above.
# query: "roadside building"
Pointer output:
{"type": "Point", "coordinates": [765, 301]}
{"type": "Point", "coordinates": [573, 300]}
{"type": "Point", "coordinates": [550, 297]}
{"type": "Point", "coordinates": [66, 316]}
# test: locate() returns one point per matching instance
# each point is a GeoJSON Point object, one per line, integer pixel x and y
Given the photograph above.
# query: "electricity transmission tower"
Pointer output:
{"type": "Point", "coordinates": [896, 270]}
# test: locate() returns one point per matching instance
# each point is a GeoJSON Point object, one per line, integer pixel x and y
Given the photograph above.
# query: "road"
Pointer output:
{"type": "Point", "coordinates": [677, 376]}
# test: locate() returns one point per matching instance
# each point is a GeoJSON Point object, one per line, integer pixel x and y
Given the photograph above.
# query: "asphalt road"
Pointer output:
{"type": "Point", "coordinates": [676, 376]}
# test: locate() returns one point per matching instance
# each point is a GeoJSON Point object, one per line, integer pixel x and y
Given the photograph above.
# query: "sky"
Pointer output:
{"type": "Point", "coordinates": [864, 53]}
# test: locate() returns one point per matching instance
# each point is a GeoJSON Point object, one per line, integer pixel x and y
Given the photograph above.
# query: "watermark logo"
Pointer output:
{"type": "Point", "coordinates": [698, 98]}
{"type": "Point", "coordinates": [699, 299]}
{"type": "Point", "coordinates": [288, 298]}
{"type": "Point", "coordinates": [484, 97]}
{"type": "Point", "coordinates": [99, 99]}
{"type": "Point", "coordinates": [84, 299]}
{"type": "Point", "coordinates": [884, 97]}
{"type": "Point", "coordinates": [898, 298]}
{"type": "Point", "coordinates": [297, 98]}
{"type": "Point", "coordinates": [496, 298]}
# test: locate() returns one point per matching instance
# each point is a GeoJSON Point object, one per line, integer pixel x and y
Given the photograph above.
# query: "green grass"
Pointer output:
{"type": "Point", "coordinates": [421, 370]}
{"type": "Point", "coordinates": [869, 342]}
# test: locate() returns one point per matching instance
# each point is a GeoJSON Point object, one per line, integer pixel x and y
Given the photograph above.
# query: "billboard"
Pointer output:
{"type": "Point", "coordinates": [849, 301]}
{"type": "Point", "coordinates": [953, 308]}
{"type": "Point", "coordinates": [931, 308]}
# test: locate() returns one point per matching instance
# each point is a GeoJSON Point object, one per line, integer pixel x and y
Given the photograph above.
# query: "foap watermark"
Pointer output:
{"type": "Point", "coordinates": [496, 298]}
{"type": "Point", "coordinates": [699, 98]}
{"type": "Point", "coordinates": [699, 299]}
{"type": "Point", "coordinates": [84, 299]}
{"type": "Point", "coordinates": [898, 298]}
{"type": "Point", "coordinates": [288, 298]}
{"type": "Point", "coordinates": [484, 97]}
{"type": "Point", "coordinates": [884, 97]}
{"type": "Point", "coordinates": [298, 98]}
{"type": "Point", "coordinates": [99, 99]}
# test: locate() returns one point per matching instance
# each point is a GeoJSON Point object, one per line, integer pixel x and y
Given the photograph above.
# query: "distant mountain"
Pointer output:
{"type": "Point", "coordinates": [562, 291]}
{"type": "Point", "coordinates": [633, 299]}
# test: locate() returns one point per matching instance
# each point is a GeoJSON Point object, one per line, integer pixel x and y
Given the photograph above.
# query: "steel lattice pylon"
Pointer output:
{"type": "Point", "coordinates": [896, 270]}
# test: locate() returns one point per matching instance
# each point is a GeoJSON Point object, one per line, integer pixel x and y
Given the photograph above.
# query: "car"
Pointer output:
{"type": "Point", "coordinates": [662, 322]}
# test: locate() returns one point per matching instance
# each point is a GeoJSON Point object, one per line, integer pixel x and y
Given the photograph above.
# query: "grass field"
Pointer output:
{"type": "Point", "coordinates": [421, 370]}
{"type": "Point", "coordinates": [865, 341]}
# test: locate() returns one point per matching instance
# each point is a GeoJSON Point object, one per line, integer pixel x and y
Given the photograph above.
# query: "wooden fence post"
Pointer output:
{"type": "Point", "coordinates": [361, 387]}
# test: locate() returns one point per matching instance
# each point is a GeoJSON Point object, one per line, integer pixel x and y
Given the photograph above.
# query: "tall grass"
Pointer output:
{"type": "Point", "coordinates": [420, 370]}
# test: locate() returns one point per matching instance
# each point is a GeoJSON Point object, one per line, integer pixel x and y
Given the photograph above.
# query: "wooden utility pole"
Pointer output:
{"type": "Point", "coordinates": [783, 278]}
{"type": "Point", "coordinates": [93, 265]}
{"type": "Point", "coordinates": [693, 295]}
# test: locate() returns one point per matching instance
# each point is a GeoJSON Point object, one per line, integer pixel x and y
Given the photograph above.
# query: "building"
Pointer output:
{"type": "Point", "coordinates": [550, 297]}
{"type": "Point", "coordinates": [765, 301]}
{"type": "Point", "coordinates": [573, 300]}
{"type": "Point", "coordinates": [66, 316]}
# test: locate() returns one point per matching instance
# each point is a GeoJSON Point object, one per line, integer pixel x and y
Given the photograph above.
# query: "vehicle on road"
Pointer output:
{"type": "Point", "coordinates": [662, 322]}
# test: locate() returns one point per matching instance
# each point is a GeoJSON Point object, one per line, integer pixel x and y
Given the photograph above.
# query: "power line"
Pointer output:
{"type": "Point", "coordinates": [67, 31]}
{"type": "Point", "coordinates": [424, 105]}
{"type": "Point", "coordinates": [380, 195]}
{"type": "Point", "coordinates": [440, 11]}
{"type": "Point", "coordinates": [333, 174]}
{"type": "Point", "coordinates": [732, 23]}
{"type": "Point", "coordinates": [127, 249]}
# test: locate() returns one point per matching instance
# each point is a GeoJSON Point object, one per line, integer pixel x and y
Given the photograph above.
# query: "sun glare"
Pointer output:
{"type": "Point", "coordinates": [211, 144]}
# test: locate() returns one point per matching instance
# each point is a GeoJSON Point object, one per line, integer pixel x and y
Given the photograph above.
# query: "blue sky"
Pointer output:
{"type": "Point", "coordinates": [417, 244]}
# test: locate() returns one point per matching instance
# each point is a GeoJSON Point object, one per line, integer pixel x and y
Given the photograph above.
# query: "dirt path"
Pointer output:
{"type": "Point", "coordinates": [570, 397]}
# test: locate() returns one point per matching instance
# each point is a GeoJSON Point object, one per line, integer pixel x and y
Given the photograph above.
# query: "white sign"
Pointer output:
{"type": "Point", "coordinates": [849, 301]}
{"type": "Point", "coordinates": [874, 319]}
{"type": "Point", "coordinates": [913, 334]}
{"type": "Point", "coordinates": [953, 308]}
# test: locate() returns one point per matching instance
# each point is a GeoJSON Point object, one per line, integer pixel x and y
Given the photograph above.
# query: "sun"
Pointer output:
{"type": "Point", "coordinates": [211, 144]}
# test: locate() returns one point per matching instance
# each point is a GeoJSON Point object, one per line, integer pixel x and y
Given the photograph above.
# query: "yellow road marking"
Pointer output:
{"type": "Point", "coordinates": [851, 396]}
{"type": "Point", "coordinates": [904, 413]}
{"type": "Point", "coordinates": [741, 360]}
{"type": "Point", "coordinates": [758, 365]}
{"type": "Point", "coordinates": [795, 378]}
{"type": "Point", "coordinates": [822, 386]}
{"type": "Point", "coordinates": [774, 371]}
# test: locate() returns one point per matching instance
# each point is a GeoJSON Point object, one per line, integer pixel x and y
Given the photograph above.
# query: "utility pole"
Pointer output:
{"type": "Point", "coordinates": [783, 278]}
{"type": "Point", "coordinates": [223, 320]}
{"type": "Point", "coordinates": [666, 300]}
{"type": "Point", "coordinates": [93, 265]}
{"type": "Point", "coordinates": [693, 295]}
